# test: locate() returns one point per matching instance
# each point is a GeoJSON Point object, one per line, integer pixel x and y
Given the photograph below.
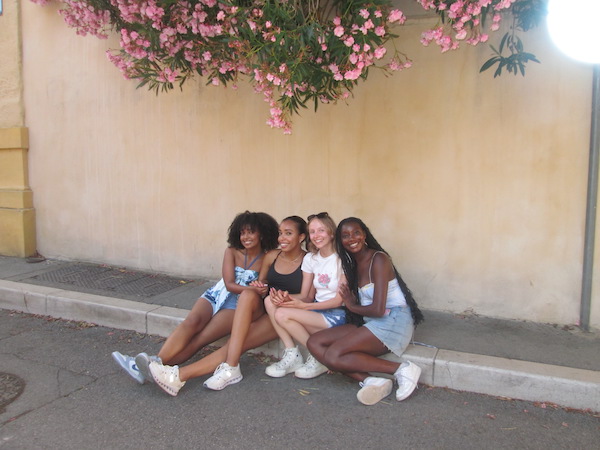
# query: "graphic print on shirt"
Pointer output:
{"type": "Point", "coordinates": [324, 279]}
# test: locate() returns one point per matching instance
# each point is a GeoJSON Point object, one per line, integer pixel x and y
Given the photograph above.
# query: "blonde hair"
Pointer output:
{"type": "Point", "coordinates": [329, 224]}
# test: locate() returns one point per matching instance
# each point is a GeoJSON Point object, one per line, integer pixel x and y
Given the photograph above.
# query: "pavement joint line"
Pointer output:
{"type": "Point", "coordinates": [503, 377]}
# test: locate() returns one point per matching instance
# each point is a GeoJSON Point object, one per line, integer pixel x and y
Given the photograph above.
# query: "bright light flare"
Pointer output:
{"type": "Point", "coordinates": [575, 29]}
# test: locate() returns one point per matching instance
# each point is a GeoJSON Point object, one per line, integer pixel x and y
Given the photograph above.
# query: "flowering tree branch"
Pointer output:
{"type": "Point", "coordinates": [294, 52]}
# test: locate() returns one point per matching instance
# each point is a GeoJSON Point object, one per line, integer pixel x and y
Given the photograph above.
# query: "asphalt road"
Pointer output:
{"type": "Point", "coordinates": [75, 397]}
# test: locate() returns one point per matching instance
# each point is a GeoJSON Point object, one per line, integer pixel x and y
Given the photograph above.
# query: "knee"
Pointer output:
{"type": "Point", "coordinates": [314, 344]}
{"type": "Point", "coordinates": [248, 298]}
{"type": "Point", "coordinates": [194, 319]}
{"type": "Point", "coordinates": [283, 315]}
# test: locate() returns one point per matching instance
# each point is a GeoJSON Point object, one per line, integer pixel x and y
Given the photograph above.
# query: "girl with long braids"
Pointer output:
{"type": "Point", "coordinates": [376, 291]}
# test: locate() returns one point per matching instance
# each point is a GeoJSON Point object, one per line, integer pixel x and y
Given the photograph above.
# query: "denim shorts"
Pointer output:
{"type": "Point", "coordinates": [333, 317]}
{"type": "Point", "coordinates": [231, 302]}
{"type": "Point", "coordinates": [394, 329]}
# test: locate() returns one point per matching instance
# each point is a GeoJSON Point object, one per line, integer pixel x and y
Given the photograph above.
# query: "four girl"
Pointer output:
{"type": "Point", "coordinates": [308, 297]}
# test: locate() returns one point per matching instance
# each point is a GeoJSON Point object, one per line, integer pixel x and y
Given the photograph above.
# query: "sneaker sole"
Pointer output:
{"type": "Point", "coordinates": [370, 395]}
{"type": "Point", "coordinates": [311, 376]}
{"type": "Point", "coordinates": [143, 362]}
{"type": "Point", "coordinates": [227, 383]}
{"type": "Point", "coordinates": [284, 373]}
{"type": "Point", "coordinates": [168, 389]}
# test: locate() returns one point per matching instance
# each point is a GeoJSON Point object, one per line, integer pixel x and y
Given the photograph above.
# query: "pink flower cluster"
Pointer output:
{"type": "Point", "coordinates": [463, 21]}
{"type": "Point", "coordinates": [290, 62]}
{"type": "Point", "coordinates": [85, 18]}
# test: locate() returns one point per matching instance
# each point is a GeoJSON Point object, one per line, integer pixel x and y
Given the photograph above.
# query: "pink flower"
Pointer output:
{"type": "Point", "coordinates": [349, 41]}
{"type": "Point", "coordinates": [352, 74]}
{"type": "Point", "coordinates": [396, 16]}
{"type": "Point", "coordinates": [364, 13]}
{"type": "Point", "coordinates": [338, 31]}
{"type": "Point", "coordinates": [380, 52]}
{"type": "Point", "coordinates": [380, 31]}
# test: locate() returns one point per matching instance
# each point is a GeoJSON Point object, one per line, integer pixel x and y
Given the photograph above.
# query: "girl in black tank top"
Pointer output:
{"type": "Point", "coordinates": [291, 282]}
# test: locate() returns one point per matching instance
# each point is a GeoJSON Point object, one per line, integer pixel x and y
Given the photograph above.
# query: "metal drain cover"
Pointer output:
{"type": "Point", "coordinates": [11, 386]}
{"type": "Point", "coordinates": [103, 278]}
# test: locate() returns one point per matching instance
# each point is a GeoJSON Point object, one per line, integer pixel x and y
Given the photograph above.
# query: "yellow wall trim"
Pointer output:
{"type": "Point", "coordinates": [17, 216]}
{"type": "Point", "coordinates": [11, 138]}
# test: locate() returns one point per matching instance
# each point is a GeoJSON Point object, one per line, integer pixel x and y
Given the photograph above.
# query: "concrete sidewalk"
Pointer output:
{"type": "Point", "coordinates": [514, 359]}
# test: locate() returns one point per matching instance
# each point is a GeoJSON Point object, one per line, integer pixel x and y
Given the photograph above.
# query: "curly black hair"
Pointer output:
{"type": "Point", "coordinates": [255, 221]}
{"type": "Point", "coordinates": [349, 266]}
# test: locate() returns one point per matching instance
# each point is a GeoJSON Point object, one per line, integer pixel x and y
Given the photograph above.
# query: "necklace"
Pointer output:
{"type": "Point", "coordinates": [293, 260]}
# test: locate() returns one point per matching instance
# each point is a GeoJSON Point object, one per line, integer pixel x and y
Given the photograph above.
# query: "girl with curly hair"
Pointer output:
{"type": "Point", "coordinates": [250, 236]}
{"type": "Point", "coordinates": [251, 328]}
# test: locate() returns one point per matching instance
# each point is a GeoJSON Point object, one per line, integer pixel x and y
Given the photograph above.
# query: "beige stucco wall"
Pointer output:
{"type": "Point", "coordinates": [11, 104]}
{"type": "Point", "coordinates": [475, 185]}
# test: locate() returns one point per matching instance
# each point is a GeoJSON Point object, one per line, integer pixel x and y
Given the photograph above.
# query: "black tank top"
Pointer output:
{"type": "Point", "coordinates": [291, 282]}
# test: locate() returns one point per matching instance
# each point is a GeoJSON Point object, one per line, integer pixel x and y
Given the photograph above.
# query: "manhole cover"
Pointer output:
{"type": "Point", "coordinates": [11, 386]}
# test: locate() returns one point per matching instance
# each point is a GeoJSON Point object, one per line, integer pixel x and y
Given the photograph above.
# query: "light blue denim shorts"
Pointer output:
{"type": "Point", "coordinates": [230, 301]}
{"type": "Point", "coordinates": [333, 317]}
{"type": "Point", "coordinates": [394, 329]}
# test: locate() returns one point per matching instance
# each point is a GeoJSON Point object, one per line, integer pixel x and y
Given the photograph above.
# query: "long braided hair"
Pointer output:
{"type": "Point", "coordinates": [349, 266]}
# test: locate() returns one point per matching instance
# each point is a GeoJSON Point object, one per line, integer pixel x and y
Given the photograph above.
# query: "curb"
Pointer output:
{"type": "Point", "coordinates": [524, 380]}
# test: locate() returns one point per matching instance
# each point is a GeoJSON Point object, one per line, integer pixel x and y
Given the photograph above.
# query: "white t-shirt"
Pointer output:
{"type": "Point", "coordinates": [326, 274]}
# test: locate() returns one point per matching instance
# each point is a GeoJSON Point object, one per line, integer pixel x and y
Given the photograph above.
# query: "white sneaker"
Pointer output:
{"type": "Point", "coordinates": [310, 369]}
{"type": "Point", "coordinates": [407, 377]}
{"type": "Point", "coordinates": [224, 376]}
{"type": "Point", "coordinates": [290, 362]}
{"type": "Point", "coordinates": [166, 377]}
{"type": "Point", "coordinates": [374, 389]}
{"type": "Point", "coordinates": [128, 364]}
{"type": "Point", "coordinates": [142, 361]}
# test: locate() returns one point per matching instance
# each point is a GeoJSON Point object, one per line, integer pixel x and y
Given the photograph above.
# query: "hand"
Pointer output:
{"type": "Point", "coordinates": [291, 302]}
{"type": "Point", "coordinates": [261, 288]}
{"type": "Point", "coordinates": [346, 294]}
{"type": "Point", "coordinates": [278, 296]}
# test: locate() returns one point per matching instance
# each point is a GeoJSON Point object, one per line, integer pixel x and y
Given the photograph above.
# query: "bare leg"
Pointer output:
{"type": "Point", "coordinates": [320, 342]}
{"type": "Point", "coordinates": [198, 329]}
{"type": "Point", "coordinates": [352, 351]}
{"type": "Point", "coordinates": [261, 331]}
{"type": "Point", "coordinates": [217, 328]}
{"type": "Point", "coordinates": [183, 334]}
{"type": "Point", "coordinates": [299, 323]}
{"type": "Point", "coordinates": [286, 338]}
{"type": "Point", "coordinates": [249, 308]}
